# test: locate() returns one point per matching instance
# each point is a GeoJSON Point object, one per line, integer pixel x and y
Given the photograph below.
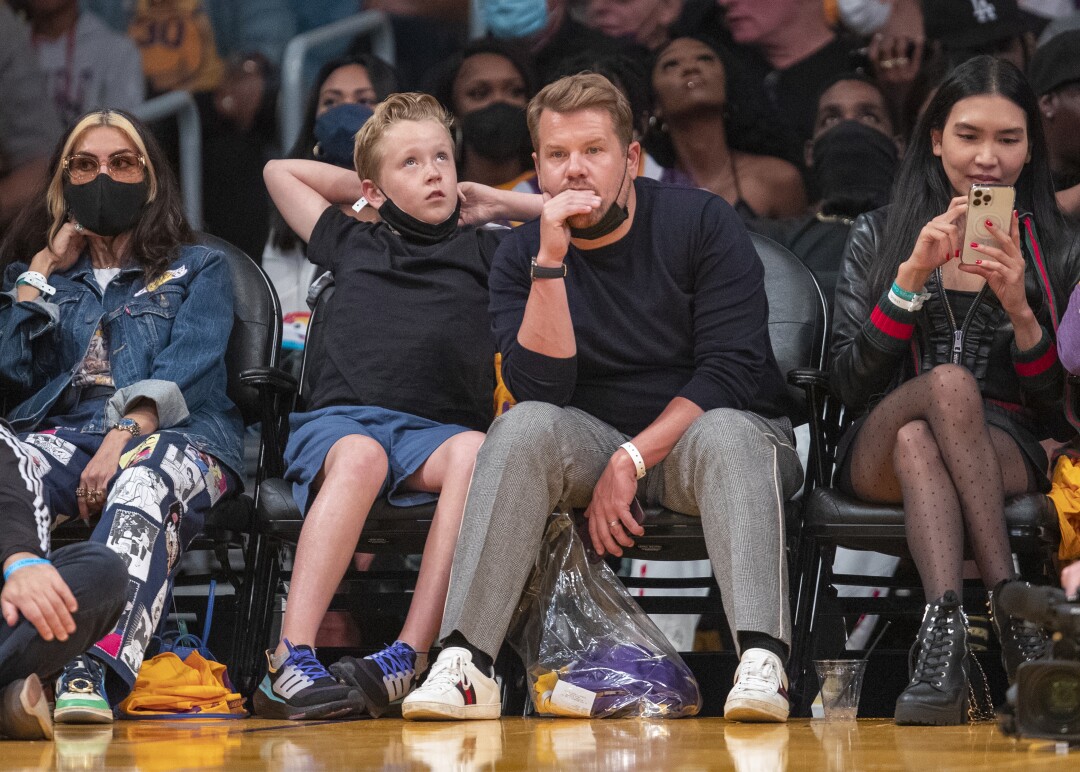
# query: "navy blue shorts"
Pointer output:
{"type": "Point", "coordinates": [407, 439]}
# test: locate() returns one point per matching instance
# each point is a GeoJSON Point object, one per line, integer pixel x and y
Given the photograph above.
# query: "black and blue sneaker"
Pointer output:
{"type": "Point", "coordinates": [301, 688]}
{"type": "Point", "coordinates": [384, 677]}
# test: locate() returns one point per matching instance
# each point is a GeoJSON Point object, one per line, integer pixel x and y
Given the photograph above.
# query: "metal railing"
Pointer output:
{"type": "Point", "coordinates": [182, 105]}
{"type": "Point", "coordinates": [291, 101]}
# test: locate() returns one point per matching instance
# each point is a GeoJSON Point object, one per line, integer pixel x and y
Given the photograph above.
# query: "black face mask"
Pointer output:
{"type": "Point", "coordinates": [853, 168]}
{"type": "Point", "coordinates": [412, 229]}
{"type": "Point", "coordinates": [106, 207]}
{"type": "Point", "coordinates": [498, 132]}
{"type": "Point", "coordinates": [614, 217]}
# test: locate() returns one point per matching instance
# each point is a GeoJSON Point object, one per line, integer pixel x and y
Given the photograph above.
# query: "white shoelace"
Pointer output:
{"type": "Point", "coordinates": [446, 673]}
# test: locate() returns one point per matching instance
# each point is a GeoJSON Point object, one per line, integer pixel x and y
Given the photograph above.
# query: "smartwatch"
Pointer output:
{"type": "Point", "coordinates": [547, 272]}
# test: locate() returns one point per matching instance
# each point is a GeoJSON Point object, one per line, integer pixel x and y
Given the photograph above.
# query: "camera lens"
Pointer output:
{"type": "Point", "coordinates": [1053, 692]}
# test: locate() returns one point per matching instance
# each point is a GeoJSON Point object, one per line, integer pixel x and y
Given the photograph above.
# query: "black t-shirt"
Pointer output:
{"type": "Point", "coordinates": [407, 327]}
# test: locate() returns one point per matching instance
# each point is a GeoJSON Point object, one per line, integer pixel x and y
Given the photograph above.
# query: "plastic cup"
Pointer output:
{"type": "Point", "coordinates": [841, 683]}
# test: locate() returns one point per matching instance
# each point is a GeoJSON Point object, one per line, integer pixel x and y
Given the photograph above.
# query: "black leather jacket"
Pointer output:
{"type": "Point", "coordinates": [867, 362]}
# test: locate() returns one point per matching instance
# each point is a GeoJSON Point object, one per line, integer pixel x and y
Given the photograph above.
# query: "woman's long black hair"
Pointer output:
{"type": "Point", "coordinates": [923, 191]}
{"type": "Point", "coordinates": [384, 80]}
{"type": "Point", "coordinates": [161, 229]}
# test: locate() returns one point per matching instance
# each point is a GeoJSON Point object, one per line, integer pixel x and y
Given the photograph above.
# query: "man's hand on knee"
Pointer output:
{"type": "Point", "coordinates": [610, 519]}
{"type": "Point", "coordinates": [39, 593]}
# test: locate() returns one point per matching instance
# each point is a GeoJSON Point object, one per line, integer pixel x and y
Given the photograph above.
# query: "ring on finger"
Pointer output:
{"type": "Point", "coordinates": [79, 227]}
{"type": "Point", "coordinates": [888, 64]}
{"type": "Point", "coordinates": [80, 493]}
{"type": "Point", "coordinates": [613, 523]}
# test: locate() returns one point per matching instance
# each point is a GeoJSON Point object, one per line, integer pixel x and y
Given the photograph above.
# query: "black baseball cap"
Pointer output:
{"type": "Point", "coordinates": [1056, 62]}
{"type": "Point", "coordinates": [973, 23]}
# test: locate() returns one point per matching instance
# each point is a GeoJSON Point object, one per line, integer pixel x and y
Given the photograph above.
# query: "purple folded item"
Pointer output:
{"type": "Point", "coordinates": [625, 674]}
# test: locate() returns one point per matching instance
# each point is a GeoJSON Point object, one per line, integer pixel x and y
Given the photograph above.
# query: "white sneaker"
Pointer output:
{"type": "Point", "coordinates": [760, 690]}
{"type": "Point", "coordinates": [454, 689]}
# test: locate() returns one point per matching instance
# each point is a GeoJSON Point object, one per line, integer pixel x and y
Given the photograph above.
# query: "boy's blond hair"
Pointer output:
{"type": "Point", "coordinates": [584, 91]}
{"type": "Point", "coordinates": [406, 106]}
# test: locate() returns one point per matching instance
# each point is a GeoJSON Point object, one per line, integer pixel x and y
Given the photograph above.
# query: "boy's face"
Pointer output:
{"type": "Point", "coordinates": [417, 171]}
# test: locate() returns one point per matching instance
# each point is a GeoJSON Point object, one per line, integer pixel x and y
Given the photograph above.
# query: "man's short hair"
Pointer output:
{"type": "Point", "coordinates": [584, 91]}
{"type": "Point", "coordinates": [406, 106]}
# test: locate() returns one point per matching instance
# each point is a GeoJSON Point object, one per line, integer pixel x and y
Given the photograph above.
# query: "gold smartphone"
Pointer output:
{"type": "Point", "coordinates": [986, 202]}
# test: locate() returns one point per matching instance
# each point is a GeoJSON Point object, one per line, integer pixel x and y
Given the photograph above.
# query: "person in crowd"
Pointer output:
{"type": "Point", "coordinates": [486, 89]}
{"type": "Point", "coordinates": [113, 330]}
{"type": "Point", "coordinates": [952, 365]}
{"type": "Point", "coordinates": [690, 101]}
{"type": "Point", "coordinates": [964, 29]}
{"type": "Point", "coordinates": [29, 126]}
{"type": "Point", "coordinates": [1055, 75]}
{"type": "Point", "coordinates": [87, 65]}
{"type": "Point", "coordinates": [401, 396]}
{"type": "Point", "coordinates": [345, 91]}
{"type": "Point", "coordinates": [852, 160]}
{"type": "Point", "coordinates": [644, 22]}
{"type": "Point", "coordinates": [546, 30]}
{"type": "Point", "coordinates": [794, 53]}
{"type": "Point", "coordinates": [632, 321]}
{"type": "Point", "coordinates": [54, 604]}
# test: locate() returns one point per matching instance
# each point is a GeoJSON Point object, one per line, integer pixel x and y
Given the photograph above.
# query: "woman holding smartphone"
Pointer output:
{"type": "Point", "coordinates": [952, 365]}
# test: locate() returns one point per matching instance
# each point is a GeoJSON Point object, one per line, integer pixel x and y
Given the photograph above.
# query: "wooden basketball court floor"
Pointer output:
{"type": "Point", "coordinates": [533, 743]}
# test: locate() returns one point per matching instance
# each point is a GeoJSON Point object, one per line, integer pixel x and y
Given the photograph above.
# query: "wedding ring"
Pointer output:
{"type": "Point", "coordinates": [613, 523]}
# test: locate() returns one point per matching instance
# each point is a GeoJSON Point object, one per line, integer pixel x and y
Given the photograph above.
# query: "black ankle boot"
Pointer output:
{"type": "Point", "coordinates": [938, 691]}
{"type": "Point", "coordinates": [1021, 641]}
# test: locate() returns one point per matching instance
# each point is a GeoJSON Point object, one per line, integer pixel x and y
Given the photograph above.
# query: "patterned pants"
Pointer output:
{"type": "Point", "coordinates": [156, 505]}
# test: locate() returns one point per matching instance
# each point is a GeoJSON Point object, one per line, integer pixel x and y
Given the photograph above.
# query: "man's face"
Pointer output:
{"type": "Point", "coordinates": [645, 21]}
{"type": "Point", "coordinates": [417, 170]}
{"type": "Point", "coordinates": [852, 100]}
{"type": "Point", "coordinates": [754, 21]}
{"type": "Point", "coordinates": [1061, 117]}
{"type": "Point", "coordinates": [581, 151]}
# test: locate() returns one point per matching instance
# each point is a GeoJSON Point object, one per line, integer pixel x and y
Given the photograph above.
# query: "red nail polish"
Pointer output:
{"type": "Point", "coordinates": [978, 262]}
{"type": "Point", "coordinates": [989, 224]}
{"type": "Point", "coordinates": [974, 245]}
{"type": "Point", "coordinates": [957, 253]}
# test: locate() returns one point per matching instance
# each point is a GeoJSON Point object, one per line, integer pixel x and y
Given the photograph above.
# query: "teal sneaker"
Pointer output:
{"type": "Point", "coordinates": [80, 693]}
{"type": "Point", "coordinates": [301, 688]}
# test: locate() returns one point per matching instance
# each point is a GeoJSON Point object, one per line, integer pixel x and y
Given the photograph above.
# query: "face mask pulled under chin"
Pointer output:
{"type": "Point", "coordinates": [498, 132]}
{"type": "Point", "coordinates": [106, 207]}
{"type": "Point", "coordinates": [853, 169]}
{"type": "Point", "coordinates": [615, 216]}
{"type": "Point", "coordinates": [416, 230]}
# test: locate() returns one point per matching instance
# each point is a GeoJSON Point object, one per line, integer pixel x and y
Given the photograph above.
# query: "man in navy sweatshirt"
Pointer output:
{"type": "Point", "coordinates": [632, 321]}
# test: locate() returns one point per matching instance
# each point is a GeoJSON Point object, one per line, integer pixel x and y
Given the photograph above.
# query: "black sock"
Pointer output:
{"type": "Point", "coordinates": [480, 659]}
{"type": "Point", "coordinates": [754, 640]}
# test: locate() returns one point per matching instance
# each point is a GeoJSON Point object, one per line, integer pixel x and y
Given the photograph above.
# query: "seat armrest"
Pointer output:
{"type": "Point", "coordinates": [270, 377]}
{"type": "Point", "coordinates": [808, 377]}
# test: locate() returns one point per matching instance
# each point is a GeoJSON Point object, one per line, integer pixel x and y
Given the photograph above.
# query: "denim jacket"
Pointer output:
{"type": "Point", "coordinates": [167, 343]}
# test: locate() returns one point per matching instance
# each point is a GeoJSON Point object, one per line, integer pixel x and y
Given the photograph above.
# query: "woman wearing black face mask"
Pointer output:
{"type": "Point", "coordinates": [113, 330]}
{"type": "Point", "coordinates": [486, 88]}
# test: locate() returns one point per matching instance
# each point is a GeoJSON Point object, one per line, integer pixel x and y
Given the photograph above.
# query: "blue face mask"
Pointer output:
{"type": "Point", "coordinates": [515, 18]}
{"type": "Point", "coordinates": [335, 133]}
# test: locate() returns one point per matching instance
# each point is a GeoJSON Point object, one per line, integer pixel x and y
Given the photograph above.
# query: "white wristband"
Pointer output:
{"type": "Point", "coordinates": [635, 454]}
{"type": "Point", "coordinates": [908, 305]}
{"type": "Point", "coordinates": [37, 281]}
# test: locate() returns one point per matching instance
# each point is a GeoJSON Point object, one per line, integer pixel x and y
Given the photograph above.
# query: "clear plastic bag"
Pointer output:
{"type": "Point", "coordinates": [588, 648]}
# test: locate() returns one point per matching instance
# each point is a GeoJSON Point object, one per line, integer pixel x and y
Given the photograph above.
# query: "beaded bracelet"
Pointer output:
{"type": "Point", "coordinates": [23, 564]}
